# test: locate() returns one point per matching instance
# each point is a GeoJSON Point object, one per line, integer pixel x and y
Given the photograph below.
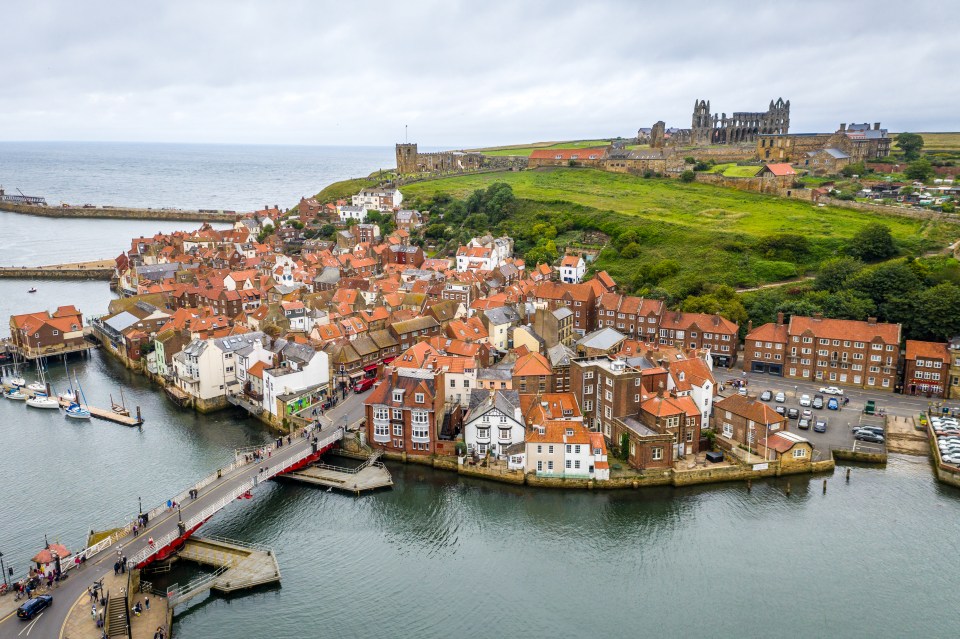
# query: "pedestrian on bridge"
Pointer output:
{"type": "Point", "coordinates": [116, 567]}
{"type": "Point", "coordinates": [123, 565]}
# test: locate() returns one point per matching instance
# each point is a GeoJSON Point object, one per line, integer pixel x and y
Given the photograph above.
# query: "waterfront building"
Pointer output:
{"type": "Point", "coordinates": [926, 368]}
{"type": "Point", "coordinates": [44, 334]}
{"type": "Point", "coordinates": [407, 413]}
{"type": "Point", "coordinates": [206, 370]}
{"type": "Point", "coordinates": [300, 371]}
{"type": "Point", "coordinates": [493, 423]}
{"type": "Point", "coordinates": [739, 420]}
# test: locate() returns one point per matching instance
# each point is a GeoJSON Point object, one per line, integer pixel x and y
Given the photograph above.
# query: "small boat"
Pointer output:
{"type": "Point", "coordinates": [19, 382]}
{"type": "Point", "coordinates": [15, 394]}
{"type": "Point", "coordinates": [37, 387]}
{"type": "Point", "coordinates": [42, 400]}
{"type": "Point", "coordinates": [121, 408]}
{"type": "Point", "coordinates": [33, 289]}
{"type": "Point", "coordinates": [76, 411]}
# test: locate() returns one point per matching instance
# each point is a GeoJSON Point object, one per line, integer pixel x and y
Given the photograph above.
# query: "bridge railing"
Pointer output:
{"type": "Point", "coordinates": [270, 471]}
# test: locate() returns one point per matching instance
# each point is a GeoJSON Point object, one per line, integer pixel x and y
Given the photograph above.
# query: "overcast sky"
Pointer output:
{"type": "Point", "coordinates": [464, 74]}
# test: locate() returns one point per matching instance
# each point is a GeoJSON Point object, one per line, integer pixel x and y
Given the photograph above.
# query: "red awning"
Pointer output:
{"type": "Point", "coordinates": [371, 367]}
{"type": "Point", "coordinates": [387, 360]}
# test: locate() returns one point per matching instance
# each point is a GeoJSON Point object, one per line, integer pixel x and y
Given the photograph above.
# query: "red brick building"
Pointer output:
{"type": "Point", "coordinates": [698, 330]}
{"type": "Point", "coordinates": [926, 368]}
{"type": "Point", "coordinates": [765, 347]}
{"type": "Point", "coordinates": [579, 298]}
{"type": "Point", "coordinates": [406, 413]}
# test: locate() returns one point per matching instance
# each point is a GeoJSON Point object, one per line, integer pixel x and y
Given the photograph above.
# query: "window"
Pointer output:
{"type": "Point", "coordinates": [398, 396]}
{"type": "Point", "coordinates": [800, 453]}
{"type": "Point", "coordinates": [588, 375]}
{"type": "Point", "coordinates": [420, 417]}
{"type": "Point", "coordinates": [550, 465]}
{"type": "Point", "coordinates": [381, 431]}
{"type": "Point", "coordinates": [656, 454]}
{"type": "Point", "coordinates": [381, 413]}
{"type": "Point", "coordinates": [727, 430]}
{"type": "Point", "coordinates": [539, 448]}
{"type": "Point", "coordinates": [576, 464]}
{"type": "Point", "coordinates": [569, 464]}
{"type": "Point", "coordinates": [576, 449]}
{"type": "Point", "coordinates": [397, 414]}
{"type": "Point", "coordinates": [539, 466]}
{"type": "Point", "coordinates": [418, 398]}
{"type": "Point", "coordinates": [550, 449]}
{"type": "Point", "coordinates": [398, 430]}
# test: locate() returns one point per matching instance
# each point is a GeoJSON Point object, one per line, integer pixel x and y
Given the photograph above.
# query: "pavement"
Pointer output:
{"type": "Point", "coordinates": [51, 622]}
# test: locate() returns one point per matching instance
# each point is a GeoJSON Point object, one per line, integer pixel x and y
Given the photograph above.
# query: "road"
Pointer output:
{"type": "Point", "coordinates": [74, 588]}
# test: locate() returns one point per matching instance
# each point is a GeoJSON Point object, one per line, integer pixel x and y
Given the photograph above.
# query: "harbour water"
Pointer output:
{"type": "Point", "coordinates": [441, 556]}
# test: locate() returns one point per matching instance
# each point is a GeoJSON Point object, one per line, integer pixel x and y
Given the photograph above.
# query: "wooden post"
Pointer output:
{"type": "Point", "coordinates": [824, 486]}
{"type": "Point", "coordinates": [848, 474]}
{"type": "Point", "coordinates": [788, 489]}
{"type": "Point", "coordinates": [139, 418]}
{"type": "Point", "coordinates": [749, 485]}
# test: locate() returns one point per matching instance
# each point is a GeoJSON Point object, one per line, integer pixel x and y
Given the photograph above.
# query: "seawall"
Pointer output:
{"type": "Point", "coordinates": [98, 270]}
{"type": "Point", "coordinates": [119, 213]}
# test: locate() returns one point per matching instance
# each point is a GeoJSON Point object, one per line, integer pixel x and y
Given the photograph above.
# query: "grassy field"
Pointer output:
{"type": "Point", "coordinates": [714, 234]}
{"type": "Point", "coordinates": [343, 190]}
{"type": "Point", "coordinates": [526, 149]}
{"type": "Point", "coordinates": [940, 141]}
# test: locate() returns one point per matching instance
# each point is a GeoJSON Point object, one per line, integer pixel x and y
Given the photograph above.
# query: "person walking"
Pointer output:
{"type": "Point", "coordinates": [123, 565]}
{"type": "Point", "coordinates": [146, 602]}
{"type": "Point", "coordinates": [116, 567]}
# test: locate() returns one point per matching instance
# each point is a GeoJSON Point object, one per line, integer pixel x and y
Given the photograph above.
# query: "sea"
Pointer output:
{"type": "Point", "coordinates": [438, 555]}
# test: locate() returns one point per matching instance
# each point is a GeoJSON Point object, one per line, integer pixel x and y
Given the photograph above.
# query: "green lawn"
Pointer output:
{"type": "Point", "coordinates": [938, 141]}
{"type": "Point", "coordinates": [526, 150]}
{"type": "Point", "coordinates": [711, 232]}
{"type": "Point", "coordinates": [741, 171]}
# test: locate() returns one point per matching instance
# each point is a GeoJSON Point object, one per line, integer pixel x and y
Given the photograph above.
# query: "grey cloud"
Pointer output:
{"type": "Point", "coordinates": [463, 73]}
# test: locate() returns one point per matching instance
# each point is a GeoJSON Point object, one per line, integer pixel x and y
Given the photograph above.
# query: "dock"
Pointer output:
{"type": "Point", "coordinates": [95, 270]}
{"type": "Point", "coordinates": [108, 415]}
{"type": "Point", "coordinates": [371, 475]}
{"type": "Point", "coordinates": [239, 566]}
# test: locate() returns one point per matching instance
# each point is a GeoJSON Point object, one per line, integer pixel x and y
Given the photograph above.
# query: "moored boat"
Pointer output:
{"type": "Point", "coordinates": [42, 400]}
{"type": "Point", "coordinates": [32, 290]}
{"type": "Point", "coordinates": [15, 394]}
{"type": "Point", "coordinates": [37, 387]}
{"type": "Point", "coordinates": [19, 382]}
{"type": "Point", "coordinates": [76, 411]}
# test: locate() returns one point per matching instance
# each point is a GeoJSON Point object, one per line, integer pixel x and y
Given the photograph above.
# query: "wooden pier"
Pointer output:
{"type": "Point", "coordinates": [108, 415]}
{"type": "Point", "coordinates": [370, 475]}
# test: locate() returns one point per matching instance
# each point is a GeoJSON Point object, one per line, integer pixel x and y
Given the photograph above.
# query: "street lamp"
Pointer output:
{"type": "Point", "coordinates": [4, 569]}
{"type": "Point", "coordinates": [179, 517]}
{"type": "Point", "coordinates": [140, 504]}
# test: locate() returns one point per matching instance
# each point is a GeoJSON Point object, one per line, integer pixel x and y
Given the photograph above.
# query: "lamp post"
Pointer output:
{"type": "Point", "coordinates": [4, 569]}
{"type": "Point", "coordinates": [179, 517]}
{"type": "Point", "coordinates": [140, 505]}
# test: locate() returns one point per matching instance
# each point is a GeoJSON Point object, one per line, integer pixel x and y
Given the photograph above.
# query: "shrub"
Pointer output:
{"type": "Point", "coordinates": [688, 176]}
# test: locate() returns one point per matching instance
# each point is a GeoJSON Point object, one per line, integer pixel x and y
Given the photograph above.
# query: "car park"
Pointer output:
{"type": "Point", "coordinates": [878, 430]}
{"type": "Point", "coordinates": [820, 426]}
{"type": "Point", "coordinates": [781, 410]}
{"type": "Point", "coordinates": [766, 396]}
{"type": "Point", "coordinates": [818, 401]}
{"type": "Point", "coordinates": [833, 404]}
{"type": "Point", "coordinates": [806, 413]}
{"type": "Point", "coordinates": [780, 397]}
{"type": "Point", "coordinates": [804, 400]}
{"type": "Point", "coordinates": [831, 390]}
{"type": "Point", "coordinates": [34, 606]}
{"type": "Point", "coordinates": [868, 436]}
{"type": "Point", "coordinates": [793, 413]}
{"type": "Point", "coordinates": [803, 424]}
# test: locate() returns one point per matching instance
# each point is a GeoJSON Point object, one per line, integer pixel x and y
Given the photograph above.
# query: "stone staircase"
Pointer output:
{"type": "Point", "coordinates": [117, 617]}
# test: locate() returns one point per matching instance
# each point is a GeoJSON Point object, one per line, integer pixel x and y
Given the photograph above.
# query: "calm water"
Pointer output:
{"type": "Point", "coordinates": [190, 176]}
{"type": "Point", "coordinates": [439, 556]}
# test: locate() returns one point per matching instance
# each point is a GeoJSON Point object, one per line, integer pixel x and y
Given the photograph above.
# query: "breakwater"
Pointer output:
{"type": "Point", "coordinates": [120, 213]}
{"type": "Point", "coordinates": [97, 270]}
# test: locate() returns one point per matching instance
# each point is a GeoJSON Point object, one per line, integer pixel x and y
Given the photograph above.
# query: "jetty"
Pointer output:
{"type": "Point", "coordinates": [94, 270]}
{"type": "Point", "coordinates": [238, 566]}
{"type": "Point", "coordinates": [107, 414]}
{"type": "Point", "coordinates": [119, 212]}
{"type": "Point", "coordinates": [370, 475]}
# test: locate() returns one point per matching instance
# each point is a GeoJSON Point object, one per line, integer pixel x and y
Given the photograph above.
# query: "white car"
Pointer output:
{"type": "Point", "coordinates": [831, 390]}
{"type": "Point", "coordinates": [804, 400]}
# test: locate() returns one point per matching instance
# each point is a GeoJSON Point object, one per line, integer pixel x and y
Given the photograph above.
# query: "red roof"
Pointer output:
{"type": "Point", "coordinates": [568, 154]}
{"type": "Point", "coordinates": [927, 350]}
{"type": "Point", "coordinates": [781, 169]}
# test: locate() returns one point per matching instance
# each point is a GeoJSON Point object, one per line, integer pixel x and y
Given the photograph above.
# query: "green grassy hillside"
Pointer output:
{"type": "Point", "coordinates": [526, 149]}
{"type": "Point", "coordinates": [704, 233]}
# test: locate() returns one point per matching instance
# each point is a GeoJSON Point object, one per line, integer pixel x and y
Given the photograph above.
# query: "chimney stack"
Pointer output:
{"type": "Point", "coordinates": [872, 321]}
{"type": "Point", "coordinates": [780, 318]}
{"type": "Point", "coordinates": [749, 326]}
{"type": "Point", "coordinates": [876, 126]}
{"type": "Point", "coordinates": [818, 316]}
{"type": "Point", "coordinates": [843, 127]}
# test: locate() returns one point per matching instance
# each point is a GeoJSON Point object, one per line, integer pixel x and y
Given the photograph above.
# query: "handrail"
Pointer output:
{"type": "Point", "coordinates": [240, 544]}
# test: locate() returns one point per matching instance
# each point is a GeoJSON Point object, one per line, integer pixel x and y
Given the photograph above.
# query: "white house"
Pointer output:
{"type": "Point", "coordinates": [460, 376]}
{"type": "Point", "coordinates": [378, 199]}
{"type": "Point", "coordinates": [207, 369]}
{"type": "Point", "coordinates": [301, 369]}
{"type": "Point", "coordinates": [493, 423]}
{"type": "Point", "coordinates": [693, 378]}
{"type": "Point", "coordinates": [351, 212]}
{"type": "Point", "coordinates": [572, 269]}
{"type": "Point", "coordinates": [484, 253]}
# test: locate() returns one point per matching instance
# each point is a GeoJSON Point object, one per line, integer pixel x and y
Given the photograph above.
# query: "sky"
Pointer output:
{"type": "Point", "coordinates": [464, 74]}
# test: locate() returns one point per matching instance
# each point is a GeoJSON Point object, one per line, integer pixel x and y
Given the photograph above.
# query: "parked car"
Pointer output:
{"type": "Point", "coordinates": [364, 384]}
{"type": "Point", "coordinates": [780, 397]}
{"type": "Point", "coordinates": [804, 400]}
{"type": "Point", "coordinates": [28, 609]}
{"type": "Point", "coordinates": [820, 426]}
{"type": "Point", "coordinates": [806, 413]}
{"type": "Point", "coordinates": [868, 436]}
{"type": "Point", "coordinates": [877, 430]}
{"type": "Point", "coordinates": [793, 413]}
{"type": "Point", "coordinates": [766, 396]}
{"type": "Point", "coordinates": [803, 424]}
{"type": "Point", "coordinates": [833, 404]}
{"type": "Point", "coordinates": [781, 410]}
{"type": "Point", "coordinates": [831, 390]}
{"type": "Point", "coordinates": [818, 401]}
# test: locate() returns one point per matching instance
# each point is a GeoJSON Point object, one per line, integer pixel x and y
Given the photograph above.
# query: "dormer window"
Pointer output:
{"type": "Point", "coordinates": [569, 432]}
{"type": "Point", "coordinates": [398, 396]}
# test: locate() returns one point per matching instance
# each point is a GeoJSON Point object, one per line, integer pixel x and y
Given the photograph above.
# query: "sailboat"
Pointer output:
{"type": "Point", "coordinates": [16, 394]}
{"type": "Point", "coordinates": [69, 395]}
{"type": "Point", "coordinates": [121, 408]}
{"type": "Point", "coordinates": [78, 410]}
{"type": "Point", "coordinates": [17, 380]}
{"type": "Point", "coordinates": [40, 397]}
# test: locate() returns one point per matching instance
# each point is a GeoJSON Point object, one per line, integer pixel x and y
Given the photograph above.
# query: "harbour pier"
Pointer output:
{"type": "Point", "coordinates": [370, 475]}
{"type": "Point", "coordinates": [94, 270]}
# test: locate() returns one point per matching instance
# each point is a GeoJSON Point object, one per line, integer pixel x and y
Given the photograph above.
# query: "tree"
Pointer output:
{"type": "Point", "coordinates": [910, 144]}
{"type": "Point", "coordinates": [872, 243]}
{"type": "Point", "coordinates": [885, 281]}
{"type": "Point", "coordinates": [630, 251]}
{"type": "Point", "coordinates": [857, 168]}
{"type": "Point", "coordinates": [835, 272]}
{"type": "Point", "coordinates": [920, 170]}
{"type": "Point", "coordinates": [688, 176]}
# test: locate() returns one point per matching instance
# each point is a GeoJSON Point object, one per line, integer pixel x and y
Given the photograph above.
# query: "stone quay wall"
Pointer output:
{"type": "Point", "coordinates": [120, 213]}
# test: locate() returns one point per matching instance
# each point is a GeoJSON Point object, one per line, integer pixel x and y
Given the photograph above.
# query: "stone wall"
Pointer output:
{"type": "Point", "coordinates": [119, 213]}
{"type": "Point", "coordinates": [52, 273]}
{"type": "Point", "coordinates": [769, 185]}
